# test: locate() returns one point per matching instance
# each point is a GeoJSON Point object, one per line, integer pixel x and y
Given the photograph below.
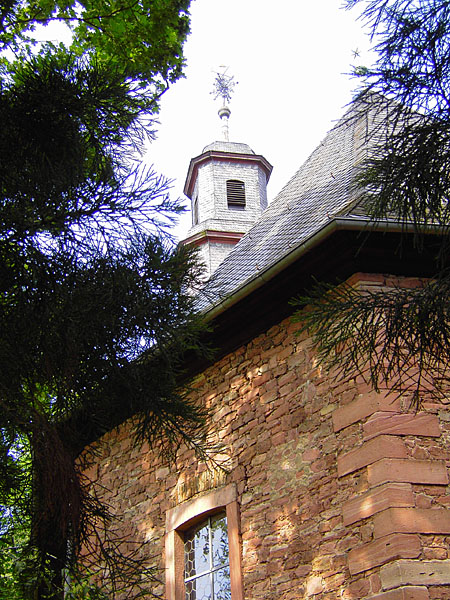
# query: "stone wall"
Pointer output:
{"type": "Point", "coordinates": [342, 492]}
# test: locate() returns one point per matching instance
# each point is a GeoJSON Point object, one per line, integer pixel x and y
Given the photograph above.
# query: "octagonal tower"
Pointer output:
{"type": "Point", "coordinates": [227, 186]}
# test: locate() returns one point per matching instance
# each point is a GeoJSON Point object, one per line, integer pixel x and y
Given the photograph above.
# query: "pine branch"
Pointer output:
{"type": "Point", "coordinates": [397, 338]}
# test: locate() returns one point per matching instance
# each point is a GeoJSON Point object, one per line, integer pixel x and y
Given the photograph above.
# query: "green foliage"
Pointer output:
{"type": "Point", "coordinates": [94, 314]}
{"type": "Point", "coordinates": [69, 123]}
{"type": "Point", "coordinates": [9, 567]}
{"type": "Point", "coordinates": [399, 338]}
{"type": "Point", "coordinates": [84, 589]}
{"type": "Point", "coordinates": [142, 40]}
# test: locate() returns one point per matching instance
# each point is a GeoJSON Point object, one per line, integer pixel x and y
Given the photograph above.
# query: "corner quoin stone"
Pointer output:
{"type": "Point", "coordinates": [407, 470]}
{"type": "Point", "coordinates": [363, 407]}
{"type": "Point", "coordinates": [412, 520]}
{"type": "Point", "coordinates": [415, 572]}
{"type": "Point", "coordinates": [390, 547]}
{"type": "Point", "coordinates": [383, 446]}
{"type": "Point", "coordinates": [421, 424]}
{"type": "Point", "coordinates": [380, 498]}
{"type": "Point", "coordinates": [404, 593]}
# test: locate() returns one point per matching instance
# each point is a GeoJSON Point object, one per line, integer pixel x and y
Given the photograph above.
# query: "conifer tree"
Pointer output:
{"type": "Point", "coordinates": [94, 315]}
{"type": "Point", "coordinates": [399, 338]}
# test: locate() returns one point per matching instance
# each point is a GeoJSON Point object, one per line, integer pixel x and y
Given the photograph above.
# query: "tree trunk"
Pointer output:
{"type": "Point", "coordinates": [57, 500]}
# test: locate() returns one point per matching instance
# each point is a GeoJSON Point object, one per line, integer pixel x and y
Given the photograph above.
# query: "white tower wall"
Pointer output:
{"type": "Point", "coordinates": [210, 193]}
{"type": "Point", "coordinates": [217, 222]}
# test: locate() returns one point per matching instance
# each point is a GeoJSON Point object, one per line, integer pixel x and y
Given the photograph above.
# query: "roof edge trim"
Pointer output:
{"type": "Point", "coordinates": [336, 224]}
{"type": "Point", "coordinates": [210, 235]}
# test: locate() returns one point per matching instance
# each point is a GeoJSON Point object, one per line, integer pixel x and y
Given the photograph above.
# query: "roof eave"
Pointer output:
{"type": "Point", "coordinates": [332, 226]}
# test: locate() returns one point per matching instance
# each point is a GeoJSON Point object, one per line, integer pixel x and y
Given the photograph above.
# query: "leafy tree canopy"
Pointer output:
{"type": "Point", "coordinates": [400, 338]}
{"type": "Point", "coordinates": [142, 40]}
{"type": "Point", "coordinates": [94, 312]}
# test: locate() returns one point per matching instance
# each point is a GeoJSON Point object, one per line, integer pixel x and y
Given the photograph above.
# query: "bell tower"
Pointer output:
{"type": "Point", "coordinates": [227, 186]}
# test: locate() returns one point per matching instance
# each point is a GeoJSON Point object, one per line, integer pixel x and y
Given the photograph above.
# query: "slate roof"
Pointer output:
{"type": "Point", "coordinates": [318, 193]}
{"type": "Point", "coordinates": [222, 146]}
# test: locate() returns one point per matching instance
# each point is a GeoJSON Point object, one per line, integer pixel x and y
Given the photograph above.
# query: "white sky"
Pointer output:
{"type": "Point", "coordinates": [291, 59]}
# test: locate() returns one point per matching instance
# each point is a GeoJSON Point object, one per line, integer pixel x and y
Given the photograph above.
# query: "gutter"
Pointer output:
{"type": "Point", "coordinates": [336, 224]}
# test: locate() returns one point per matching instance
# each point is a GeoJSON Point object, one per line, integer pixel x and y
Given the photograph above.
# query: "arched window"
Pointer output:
{"type": "Point", "coordinates": [203, 549]}
{"type": "Point", "coordinates": [236, 194]}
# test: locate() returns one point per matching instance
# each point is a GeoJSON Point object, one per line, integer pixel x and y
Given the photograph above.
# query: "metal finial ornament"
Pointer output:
{"type": "Point", "coordinates": [223, 86]}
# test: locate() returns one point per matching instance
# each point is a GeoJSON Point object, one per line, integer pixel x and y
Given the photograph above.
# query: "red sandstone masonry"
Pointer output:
{"type": "Point", "coordinates": [363, 407]}
{"type": "Point", "coordinates": [404, 593]}
{"type": "Point", "coordinates": [383, 446]}
{"type": "Point", "coordinates": [384, 496]}
{"type": "Point", "coordinates": [383, 550]}
{"type": "Point", "coordinates": [432, 472]}
{"type": "Point", "coordinates": [421, 424]}
{"type": "Point", "coordinates": [412, 520]}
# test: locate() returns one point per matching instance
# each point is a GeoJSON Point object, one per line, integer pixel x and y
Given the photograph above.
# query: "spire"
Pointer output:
{"type": "Point", "coordinates": [223, 87]}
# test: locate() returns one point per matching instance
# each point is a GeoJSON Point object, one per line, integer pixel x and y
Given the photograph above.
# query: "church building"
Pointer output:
{"type": "Point", "coordinates": [321, 488]}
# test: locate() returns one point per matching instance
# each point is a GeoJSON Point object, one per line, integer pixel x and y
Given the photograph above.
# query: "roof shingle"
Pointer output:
{"type": "Point", "coordinates": [320, 191]}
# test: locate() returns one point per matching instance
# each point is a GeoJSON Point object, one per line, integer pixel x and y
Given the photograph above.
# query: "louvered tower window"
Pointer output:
{"type": "Point", "coordinates": [236, 194]}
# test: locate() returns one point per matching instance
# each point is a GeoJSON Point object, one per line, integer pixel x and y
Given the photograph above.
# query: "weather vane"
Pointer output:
{"type": "Point", "coordinates": [223, 86]}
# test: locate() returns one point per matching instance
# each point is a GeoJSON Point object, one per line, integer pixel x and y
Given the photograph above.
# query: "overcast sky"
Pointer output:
{"type": "Point", "coordinates": [291, 59]}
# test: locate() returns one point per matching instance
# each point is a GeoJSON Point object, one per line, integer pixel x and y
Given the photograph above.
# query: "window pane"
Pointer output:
{"type": "Point", "coordinates": [199, 588]}
{"type": "Point", "coordinates": [222, 587]}
{"type": "Point", "coordinates": [207, 572]}
{"type": "Point", "coordinates": [196, 551]}
{"type": "Point", "coordinates": [219, 540]}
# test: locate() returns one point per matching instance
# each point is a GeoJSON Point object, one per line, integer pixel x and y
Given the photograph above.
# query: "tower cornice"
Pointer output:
{"type": "Point", "coordinates": [219, 155]}
{"type": "Point", "coordinates": [209, 235]}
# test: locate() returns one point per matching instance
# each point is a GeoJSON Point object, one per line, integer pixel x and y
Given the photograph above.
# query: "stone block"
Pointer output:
{"type": "Point", "coordinates": [422, 424]}
{"type": "Point", "coordinates": [407, 592]}
{"type": "Point", "coordinates": [412, 520]}
{"type": "Point", "coordinates": [357, 589]}
{"type": "Point", "coordinates": [383, 550]}
{"type": "Point", "coordinates": [362, 407]}
{"type": "Point", "coordinates": [383, 446]}
{"type": "Point", "coordinates": [415, 572]}
{"type": "Point", "coordinates": [384, 496]}
{"type": "Point", "coordinates": [314, 585]}
{"type": "Point", "coordinates": [431, 472]}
